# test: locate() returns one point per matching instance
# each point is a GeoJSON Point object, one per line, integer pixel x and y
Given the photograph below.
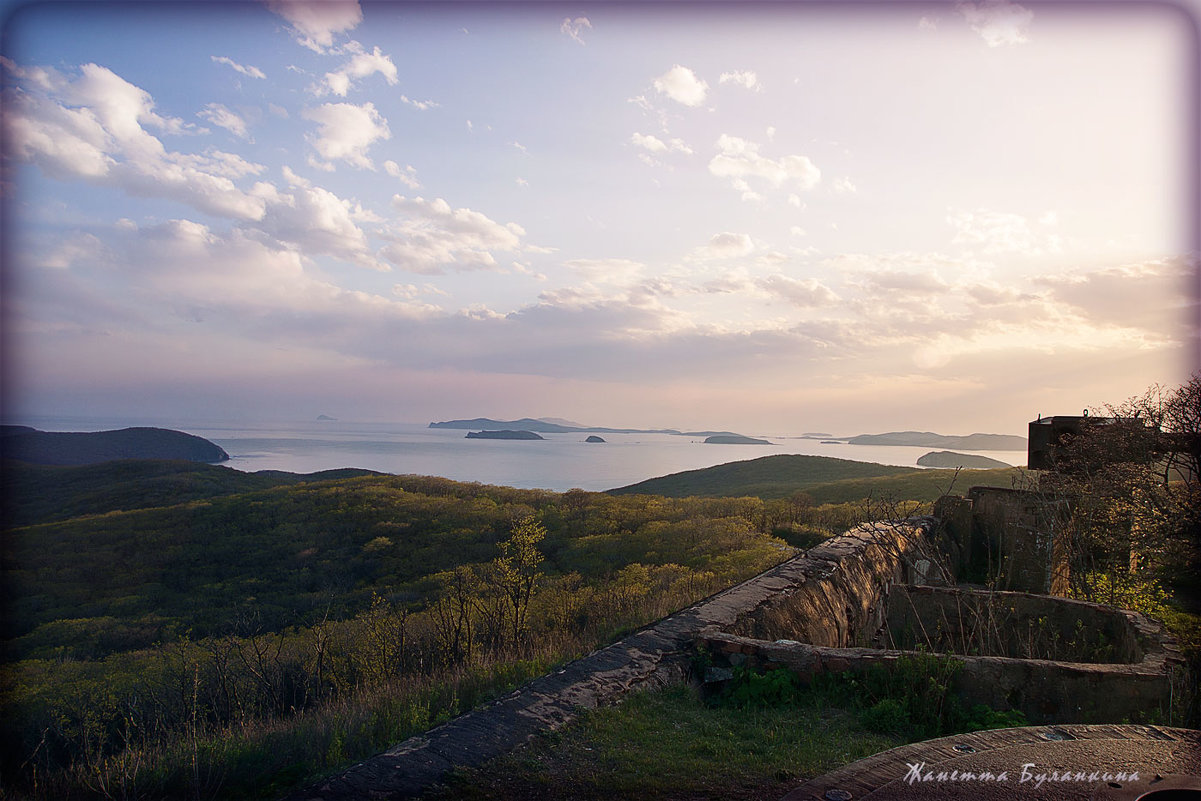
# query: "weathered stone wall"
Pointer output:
{"type": "Point", "coordinates": [836, 593]}
{"type": "Point", "coordinates": [1045, 691]}
{"type": "Point", "coordinates": [1014, 624]}
{"type": "Point", "coordinates": [1009, 533]}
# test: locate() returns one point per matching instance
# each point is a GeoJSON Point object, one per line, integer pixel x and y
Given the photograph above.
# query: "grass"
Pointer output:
{"type": "Point", "coordinates": [673, 745]}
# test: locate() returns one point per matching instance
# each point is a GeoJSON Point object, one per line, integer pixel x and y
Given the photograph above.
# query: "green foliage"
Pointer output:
{"type": "Point", "coordinates": [772, 688]}
{"type": "Point", "coordinates": [913, 698]}
{"type": "Point", "coordinates": [178, 648]}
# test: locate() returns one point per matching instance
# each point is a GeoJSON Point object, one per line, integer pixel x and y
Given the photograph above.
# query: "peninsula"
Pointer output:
{"type": "Point", "coordinates": [24, 444]}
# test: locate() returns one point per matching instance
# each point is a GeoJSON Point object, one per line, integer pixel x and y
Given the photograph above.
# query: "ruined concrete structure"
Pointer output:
{"type": "Point", "coordinates": [844, 605]}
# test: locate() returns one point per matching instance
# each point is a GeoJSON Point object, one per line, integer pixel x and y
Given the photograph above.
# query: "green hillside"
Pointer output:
{"type": "Point", "coordinates": [44, 493]}
{"type": "Point", "coordinates": [824, 479]}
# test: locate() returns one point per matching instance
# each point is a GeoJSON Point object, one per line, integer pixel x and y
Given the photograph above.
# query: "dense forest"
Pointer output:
{"type": "Point", "coordinates": [187, 630]}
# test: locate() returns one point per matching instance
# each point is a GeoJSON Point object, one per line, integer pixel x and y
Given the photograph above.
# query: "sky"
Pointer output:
{"type": "Point", "coordinates": [759, 217]}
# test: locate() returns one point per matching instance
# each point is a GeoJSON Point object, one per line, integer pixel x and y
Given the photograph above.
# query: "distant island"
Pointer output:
{"type": "Point", "coordinates": [928, 439]}
{"type": "Point", "coordinates": [557, 426]}
{"type": "Point", "coordinates": [965, 460]}
{"type": "Point", "coordinates": [504, 434]}
{"type": "Point", "coordinates": [325, 418]}
{"type": "Point", "coordinates": [25, 444]}
{"type": "Point", "coordinates": [594, 438]}
{"type": "Point", "coordinates": [734, 439]}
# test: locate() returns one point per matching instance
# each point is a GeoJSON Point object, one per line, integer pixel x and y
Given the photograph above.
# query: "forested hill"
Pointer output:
{"type": "Point", "coordinates": [42, 494]}
{"type": "Point", "coordinates": [824, 479]}
{"type": "Point", "coordinates": [25, 444]}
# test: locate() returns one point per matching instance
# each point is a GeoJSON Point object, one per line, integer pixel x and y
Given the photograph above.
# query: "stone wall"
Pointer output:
{"type": "Point", "coordinates": [1010, 535]}
{"type": "Point", "coordinates": [1014, 624]}
{"type": "Point", "coordinates": [1045, 691]}
{"type": "Point", "coordinates": [836, 592]}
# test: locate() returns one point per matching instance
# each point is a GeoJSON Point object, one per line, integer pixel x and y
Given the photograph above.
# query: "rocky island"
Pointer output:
{"type": "Point", "coordinates": [505, 434]}
{"type": "Point", "coordinates": [595, 438]}
{"type": "Point", "coordinates": [734, 439]}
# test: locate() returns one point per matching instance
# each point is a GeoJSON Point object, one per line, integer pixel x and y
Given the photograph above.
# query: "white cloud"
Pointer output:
{"type": "Point", "coordinates": [424, 105]}
{"type": "Point", "coordinates": [346, 132]}
{"type": "Point", "coordinates": [844, 186]}
{"type": "Point", "coordinates": [605, 270]}
{"type": "Point", "coordinates": [314, 220]}
{"type": "Point", "coordinates": [575, 27]}
{"type": "Point", "coordinates": [725, 245]}
{"type": "Point", "coordinates": [252, 72]}
{"type": "Point", "coordinates": [433, 236]}
{"type": "Point", "coordinates": [222, 117]}
{"type": "Point", "coordinates": [657, 146]}
{"type": "Point", "coordinates": [806, 293]}
{"type": "Point", "coordinates": [744, 78]}
{"type": "Point", "coordinates": [315, 22]}
{"type": "Point", "coordinates": [1150, 295]}
{"type": "Point", "coordinates": [739, 159]}
{"type": "Point", "coordinates": [91, 129]}
{"type": "Point", "coordinates": [406, 175]}
{"type": "Point", "coordinates": [995, 232]}
{"type": "Point", "coordinates": [361, 65]}
{"type": "Point", "coordinates": [999, 22]}
{"type": "Point", "coordinates": [682, 85]}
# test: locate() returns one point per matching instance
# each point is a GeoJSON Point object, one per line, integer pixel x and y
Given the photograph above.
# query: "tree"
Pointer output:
{"type": "Point", "coordinates": [1131, 477]}
{"type": "Point", "coordinates": [517, 570]}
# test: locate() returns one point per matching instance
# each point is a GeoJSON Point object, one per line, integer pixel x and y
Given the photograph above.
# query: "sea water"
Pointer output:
{"type": "Point", "coordinates": [557, 462]}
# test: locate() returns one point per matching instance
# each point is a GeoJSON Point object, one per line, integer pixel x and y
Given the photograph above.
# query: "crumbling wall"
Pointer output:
{"type": "Point", "coordinates": [837, 591]}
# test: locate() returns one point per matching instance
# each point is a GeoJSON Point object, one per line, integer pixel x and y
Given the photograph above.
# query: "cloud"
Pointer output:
{"type": "Point", "coordinates": [744, 78]}
{"type": "Point", "coordinates": [999, 22]}
{"type": "Point", "coordinates": [1151, 295]}
{"type": "Point", "coordinates": [844, 186]}
{"type": "Point", "coordinates": [423, 105]}
{"type": "Point", "coordinates": [314, 220]}
{"type": "Point", "coordinates": [608, 270]}
{"type": "Point", "coordinates": [315, 22]}
{"type": "Point", "coordinates": [406, 175]}
{"type": "Point", "coordinates": [994, 232]}
{"type": "Point", "coordinates": [346, 132]}
{"type": "Point", "coordinates": [653, 145]}
{"type": "Point", "coordinates": [92, 129]}
{"type": "Point", "coordinates": [806, 293]}
{"type": "Point", "coordinates": [252, 72]}
{"type": "Point", "coordinates": [574, 27]}
{"type": "Point", "coordinates": [361, 65]}
{"type": "Point", "coordinates": [739, 160]}
{"type": "Point", "coordinates": [682, 85]}
{"type": "Point", "coordinates": [725, 245]}
{"type": "Point", "coordinates": [222, 117]}
{"type": "Point", "coordinates": [432, 236]}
